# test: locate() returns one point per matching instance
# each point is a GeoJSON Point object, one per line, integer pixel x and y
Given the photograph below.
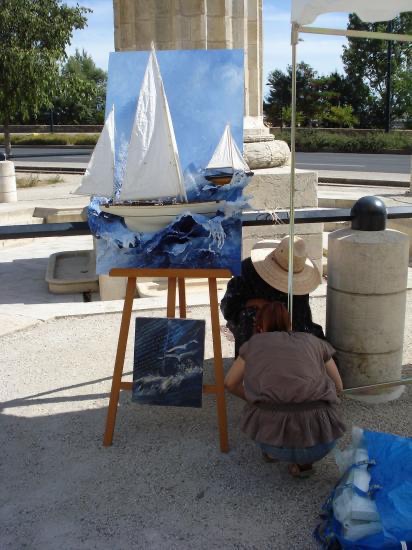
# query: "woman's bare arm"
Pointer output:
{"type": "Point", "coordinates": [333, 373]}
{"type": "Point", "coordinates": [234, 378]}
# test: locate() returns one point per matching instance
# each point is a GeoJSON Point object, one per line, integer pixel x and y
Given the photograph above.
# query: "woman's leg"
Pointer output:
{"type": "Point", "coordinates": [300, 459]}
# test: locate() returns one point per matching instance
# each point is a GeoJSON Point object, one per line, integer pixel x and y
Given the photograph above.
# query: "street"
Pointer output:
{"type": "Point", "coordinates": [337, 162]}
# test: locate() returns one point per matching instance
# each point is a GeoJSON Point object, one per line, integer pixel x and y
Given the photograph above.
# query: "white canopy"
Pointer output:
{"type": "Point", "coordinates": [305, 12]}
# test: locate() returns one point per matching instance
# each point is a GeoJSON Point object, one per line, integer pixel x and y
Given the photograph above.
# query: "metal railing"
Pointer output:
{"type": "Point", "coordinates": [250, 218]}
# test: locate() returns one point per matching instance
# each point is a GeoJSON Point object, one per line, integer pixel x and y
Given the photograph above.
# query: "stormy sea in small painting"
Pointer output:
{"type": "Point", "coordinates": [168, 361]}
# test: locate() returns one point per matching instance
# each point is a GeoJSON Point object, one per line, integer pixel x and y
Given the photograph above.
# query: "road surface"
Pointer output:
{"type": "Point", "coordinates": [337, 162]}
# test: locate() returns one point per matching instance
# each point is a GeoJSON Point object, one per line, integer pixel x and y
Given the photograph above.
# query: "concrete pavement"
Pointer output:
{"type": "Point", "coordinates": [163, 485]}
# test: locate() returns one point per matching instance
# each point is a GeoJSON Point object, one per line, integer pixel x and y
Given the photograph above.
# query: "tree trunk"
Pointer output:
{"type": "Point", "coordinates": [7, 142]}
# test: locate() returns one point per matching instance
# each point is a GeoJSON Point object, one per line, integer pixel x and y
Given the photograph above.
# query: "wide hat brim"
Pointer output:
{"type": "Point", "coordinates": [274, 275]}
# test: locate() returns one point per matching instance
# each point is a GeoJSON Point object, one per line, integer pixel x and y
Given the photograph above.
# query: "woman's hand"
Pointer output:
{"type": "Point", "coordinates": [234, 378]}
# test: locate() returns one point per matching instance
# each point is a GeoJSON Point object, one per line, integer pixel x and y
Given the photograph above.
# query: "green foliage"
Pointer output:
{"type": "Point", "coordinates": [365, 62]}
{"type": "Point", "coordinates": [84, 139]}
{"type": "Point", "coordinates": [317, 97]}
{"type": "Point", "coordinates": [82, 91]}
{"type": "Point", "coordinates": [368, 142]}
{"type": "Point", "coordinates": [309, 97]}
{"type": "Point", "coordinates": [53, 139]}
{"type": "Point", "coordinates": [287, 116]}
{"type": "Point", "coordinates": [33, 38]}
{"type": "Point", "coordinates": [356, 98]}
{"type": "Point", "coordinates": [342, 117]}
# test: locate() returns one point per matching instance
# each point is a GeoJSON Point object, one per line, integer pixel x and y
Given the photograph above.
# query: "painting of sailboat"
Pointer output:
{"type": "Point", "coordinates": [168, 361]}
{"type": "Point", "coordinates": [152, 203]}
{"type": "Point", "coordinates": [226, 160]}
{"type": "Point", "coordinates": [153, 191]}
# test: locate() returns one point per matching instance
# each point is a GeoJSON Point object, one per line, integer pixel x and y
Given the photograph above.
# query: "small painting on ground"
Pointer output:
{"type": "Point", "coordinates": [168, 361]}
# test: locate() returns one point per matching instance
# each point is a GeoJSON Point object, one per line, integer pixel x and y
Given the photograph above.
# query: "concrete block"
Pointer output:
{"type": "Point", "coordinates": [112, 288]}
{"type": "Point", "coordinates": [366, 303]}
{"type": "Point", "coordinates": [365, 323]}
{"type": "Point", "coordinates": [191, 7]}
{"type": "Point", "coordinates": [251, 235]}
{"type": "Point", "coordinates": [368, 262]}
{"type": "Point", "coordinates": [367, 369]}
{"type": "Point", "coordinates": [217, 29]}
{"type": "Point", "coordinates": [270, 189]}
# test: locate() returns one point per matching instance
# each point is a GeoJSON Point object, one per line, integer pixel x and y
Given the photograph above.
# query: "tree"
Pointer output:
{"type": "Point", "coordinates": [365, 62]}
{"type": "Point", "coordinates": [287, 116]}
{"type": "Point", "coordinates": [33, 38]}
{"type": "Point", "coordinates": [342, 117]}
{"type": "Point", "coordinates": [82, 90]}
{"type": "Point", "coordinates": [316, 95]}
{"type": "Point", "coordinates": [280, 94]}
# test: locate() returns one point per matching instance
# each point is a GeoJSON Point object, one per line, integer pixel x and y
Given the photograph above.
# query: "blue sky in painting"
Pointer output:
{"type": "Point", "coordinates": [204, 89]}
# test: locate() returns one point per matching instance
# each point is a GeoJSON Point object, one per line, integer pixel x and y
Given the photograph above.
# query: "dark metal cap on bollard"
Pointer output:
{"type": "Point", "coordinates": [369, 214]}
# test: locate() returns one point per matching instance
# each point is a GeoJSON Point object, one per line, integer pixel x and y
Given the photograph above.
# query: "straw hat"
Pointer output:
{"type": "Point", "coordinates": [271, 261]}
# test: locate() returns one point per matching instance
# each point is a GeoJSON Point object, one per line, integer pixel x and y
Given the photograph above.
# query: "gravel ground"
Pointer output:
{"type": "Point", "coordinates": [163, 484]}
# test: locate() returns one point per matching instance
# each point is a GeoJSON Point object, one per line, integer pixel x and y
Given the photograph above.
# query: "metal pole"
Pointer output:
{"type": "Point", "coordinates": [51, 121]}
{"type": "Point", "coordinates": [381, 385]}
{"type": "Point", "coordinates": [294, 41]}
{"type": "Point", "coordinates": [388, 82]}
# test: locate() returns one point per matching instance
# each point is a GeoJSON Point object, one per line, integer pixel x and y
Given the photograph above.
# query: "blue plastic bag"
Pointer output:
{"type": "Point", "coordinates": [390, 458]}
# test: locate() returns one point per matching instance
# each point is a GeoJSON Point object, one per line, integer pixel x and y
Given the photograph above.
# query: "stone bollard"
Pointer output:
{"type": "Point", "coordinates": [8, 191]}
{"type": "Point", "coordinates": [366, 300]}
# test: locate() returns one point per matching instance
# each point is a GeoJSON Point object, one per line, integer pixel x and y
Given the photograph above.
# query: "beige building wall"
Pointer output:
{"type": "Point", "coordinates": [196, 24]}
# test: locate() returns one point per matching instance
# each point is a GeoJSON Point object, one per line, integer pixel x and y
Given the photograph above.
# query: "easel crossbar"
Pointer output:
{"type": "Point", "coordinates": [173, 272]}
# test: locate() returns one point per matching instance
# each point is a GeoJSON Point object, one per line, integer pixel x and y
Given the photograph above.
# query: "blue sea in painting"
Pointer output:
{"type": "Point", "coordinates": [168, 361]}
{"type": "Point", "coordinates": [190, 240]}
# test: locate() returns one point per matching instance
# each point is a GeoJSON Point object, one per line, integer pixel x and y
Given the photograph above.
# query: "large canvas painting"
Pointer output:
{"type": "Point", "coordinates": [174, 126]}
{"type": "Point", "coordinates": [168, 361]}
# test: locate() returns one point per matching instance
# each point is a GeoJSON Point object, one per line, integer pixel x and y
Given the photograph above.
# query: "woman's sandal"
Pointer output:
{"type": "Point", "coordinates": [301, 471]}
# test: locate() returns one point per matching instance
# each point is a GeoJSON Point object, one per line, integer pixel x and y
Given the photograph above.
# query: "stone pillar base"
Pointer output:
{"type": "Point", "coordinates": [112, 288]}
{"type": "Point", "coordinates": [270, 190]}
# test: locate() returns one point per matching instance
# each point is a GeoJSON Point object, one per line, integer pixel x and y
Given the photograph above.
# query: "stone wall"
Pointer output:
{"type": "Point", "coordinates": [196, 24]}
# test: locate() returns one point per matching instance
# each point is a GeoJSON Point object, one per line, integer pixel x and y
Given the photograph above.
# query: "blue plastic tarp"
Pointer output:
{"type": "Point", "coordinates": [391, 474]}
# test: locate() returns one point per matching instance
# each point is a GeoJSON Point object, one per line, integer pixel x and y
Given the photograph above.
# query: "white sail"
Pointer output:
{"type": "Point", "coordinates": [99, 176]}
{"type": "Point", "coordinates": [227, 154]}
{"type": "Point", "coordinates": [153, 167]}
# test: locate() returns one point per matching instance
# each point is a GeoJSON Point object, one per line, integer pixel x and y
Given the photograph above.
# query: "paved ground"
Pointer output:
{"type": "Point", "coordinates": [163, 484]}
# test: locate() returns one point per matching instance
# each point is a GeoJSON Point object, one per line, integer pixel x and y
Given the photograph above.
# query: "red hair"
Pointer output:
{"type": "Point", "coordinates": [273, 317]}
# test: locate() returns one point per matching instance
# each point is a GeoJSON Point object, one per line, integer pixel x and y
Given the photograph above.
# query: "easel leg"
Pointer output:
{"type": "Point", "coordinates": [171, 297]}
{"type": "Point", "coordinates": [182, 297]}
{"type": "Point", "coordinates": [218, 363]}
{"type": "Point", "coordinates": [119, 363]}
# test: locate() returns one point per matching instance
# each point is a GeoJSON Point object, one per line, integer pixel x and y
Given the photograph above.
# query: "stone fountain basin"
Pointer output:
{"type": "Point", "coordinates": [71, 272]}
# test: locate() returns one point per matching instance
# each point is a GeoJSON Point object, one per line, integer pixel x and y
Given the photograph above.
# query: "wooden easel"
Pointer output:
{"type": "Point", "coordinates": [173, 276]}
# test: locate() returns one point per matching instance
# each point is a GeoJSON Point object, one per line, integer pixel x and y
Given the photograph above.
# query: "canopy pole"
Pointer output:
{"type": "Point", "coordinates": [294, 42]}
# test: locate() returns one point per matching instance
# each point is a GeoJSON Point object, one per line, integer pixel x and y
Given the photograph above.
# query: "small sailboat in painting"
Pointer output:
{"type": "Point", "coordinates": [152, 192]}
{"type": "Point", "coordinates": [225, 161]}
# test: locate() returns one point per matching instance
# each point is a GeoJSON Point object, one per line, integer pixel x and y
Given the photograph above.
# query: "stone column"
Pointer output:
{"type": "Point", "coordinates": [366, 300]}
{"type": "Point", "coordinates": [207, 24]}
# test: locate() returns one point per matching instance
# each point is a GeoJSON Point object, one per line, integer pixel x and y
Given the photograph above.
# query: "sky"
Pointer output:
{"type": "Point", "coordinates": [321, 52]}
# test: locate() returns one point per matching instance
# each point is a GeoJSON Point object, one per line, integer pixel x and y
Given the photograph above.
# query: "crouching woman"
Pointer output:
{"type": "Point", "coordinates": [290, 384]}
